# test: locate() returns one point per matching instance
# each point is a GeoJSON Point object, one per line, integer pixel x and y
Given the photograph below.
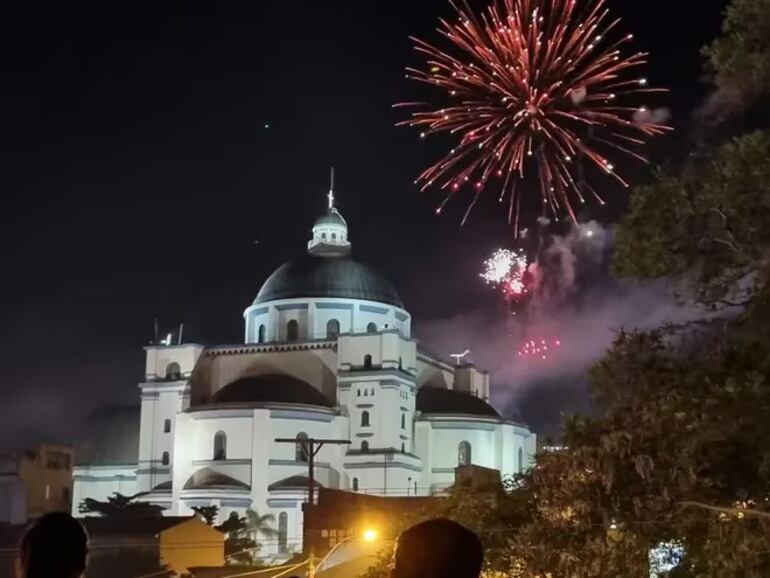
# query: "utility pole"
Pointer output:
{"type": "Point", "coordinates": [310, 447]}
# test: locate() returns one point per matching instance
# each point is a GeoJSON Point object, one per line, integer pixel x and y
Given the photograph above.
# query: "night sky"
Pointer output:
{"type": "Point", "coordinates": [146, 149]}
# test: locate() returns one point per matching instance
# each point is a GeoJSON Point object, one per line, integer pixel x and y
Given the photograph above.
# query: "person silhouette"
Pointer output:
{"type": "Point", "coordinates": [438, 548]}
{"type": "Point", "coordinates": [54, 546]}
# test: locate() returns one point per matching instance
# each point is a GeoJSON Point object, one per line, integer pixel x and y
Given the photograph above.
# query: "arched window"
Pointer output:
{"type": "Point", "coordinates": [408, 485]}
{"type": "Point", "coordinates": [364, 418]}
{"type": "Point", "coordinates": [364, 446]}
{"type": "Point", "coordinates": [371, 328]}
{"type": "Point", "coordinates": [164, 459]}
{"type": "Point", "coordinates": [173, 371]}
{"type": "Point", "coordinates": [292, 330]}
{"type": "Point", "coordinates": [358, 392]}
{"type": "Point", "coordinates": [332, 329]}
{"type": "Point", "coordinates": [261, 334]}
{"type": "Point", "coordinates": [167, 426]}
{"type": "Point", "coordinates": [220, 446]}
{"type": "Point", "coordinates": [283, 531]}
{"type": "Point", "coordinates": [334, 236]}
{"type": "Point", "coordinates": [323, 235]}
{"type": "Point", "coordinates": [464, 454]}
{"type": "Point", "coordinates": [355, 484]}
{"type": "Point", "coordinates": [403, 448]}
{"type": "Point", "coordinates": [367, 361]}
{"type": "Point", "coordinates": [300, 447]}
{"type": "Point", "coordinates": [403, 421]}
{"type": "Point", "coordinates": [400, 363]}
{"type": "Point", "coordinates": [521, 460]}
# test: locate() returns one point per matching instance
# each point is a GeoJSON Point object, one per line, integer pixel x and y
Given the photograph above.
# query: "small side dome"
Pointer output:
{"type": "Point", "coordinates": [208, 479]}
{"type": "Point", "coordinates": [298, 482]}
{"type": "Point", "coordinates": [333, 217]}
{"type": "Point", "coordinates": [434, 400]}
{"type": "Point", "coordinates": [109, 437]}
{"type": "Point", "coordinates": [270, 389]}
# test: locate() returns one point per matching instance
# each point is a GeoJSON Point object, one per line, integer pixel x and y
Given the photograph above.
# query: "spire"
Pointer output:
{"type": "Point", "coordinates": [330, 196]}
{"type": "Point", "coordinates": [330, 231]}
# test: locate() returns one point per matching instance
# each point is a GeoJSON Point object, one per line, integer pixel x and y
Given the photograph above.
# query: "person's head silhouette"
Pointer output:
{"type": "Point", "coordinates": [438, 548]}
{"type": "Point", "coordinates": [54, 546]}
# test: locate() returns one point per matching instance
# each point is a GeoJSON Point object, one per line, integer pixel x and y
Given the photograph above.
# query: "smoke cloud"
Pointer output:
{"type": "Point", "coordinates": [574, 300]}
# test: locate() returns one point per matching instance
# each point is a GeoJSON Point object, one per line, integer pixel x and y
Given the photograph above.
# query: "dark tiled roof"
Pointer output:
{"type": "Point", "coordinates": [109, 437]}
{"type": "Point", "coordinates": [98, 527]}
{"type": "Point", "coordinates": [163, 487]}
{"type": "Point", "coordinates": [206, 478]}
{"type": "Point", "coordinates": [292, 483]}
{"type": "Point", "coordinates": [434, 400]}
{"type": "Point", "coordinates": [270, 388]}
{"type": "Point", "coordinates": [328, 276]}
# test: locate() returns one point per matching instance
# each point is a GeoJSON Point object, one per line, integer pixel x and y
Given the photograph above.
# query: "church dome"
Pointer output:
{"type": "Point", "coordinates": [328, 276]}
{"type": "Point", "coordinates": [109, 437]}
{"type": "Point", "coordinates": [270, 388]}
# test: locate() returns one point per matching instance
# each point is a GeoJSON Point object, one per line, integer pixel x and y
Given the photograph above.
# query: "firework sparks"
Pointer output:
{"type": "Point", "coordinates": [540, 349]}
{"type": "Point", "coordinates": [533, 85]}
{"type": "Point", "coordinates": [506, 270]}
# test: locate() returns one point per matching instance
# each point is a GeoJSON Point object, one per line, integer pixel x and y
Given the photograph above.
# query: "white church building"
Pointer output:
{"type": "Point", "coordinates": [328, 353]}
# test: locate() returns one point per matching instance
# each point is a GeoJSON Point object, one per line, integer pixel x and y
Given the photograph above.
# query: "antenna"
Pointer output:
{"type": "Point", "coordinates": [331, 191]}
{"type": "Point", "coordinates": [459, 356]}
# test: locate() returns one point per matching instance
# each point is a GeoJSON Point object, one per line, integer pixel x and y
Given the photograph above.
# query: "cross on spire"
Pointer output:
{"type": "Point", "coordinates": [330, 196]}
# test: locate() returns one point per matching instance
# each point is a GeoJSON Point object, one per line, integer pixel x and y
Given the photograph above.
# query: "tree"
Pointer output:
{"type": "Point", "coordinates": [707, 226]}
{"type": "Point", "coordinates": [739, 59]}
{"type": "Point", "coordinates": [242, 543]}
{"type": "Point", "coordinates": [120, 506]}
{"type": "Point", "coordinates": [208, 513]}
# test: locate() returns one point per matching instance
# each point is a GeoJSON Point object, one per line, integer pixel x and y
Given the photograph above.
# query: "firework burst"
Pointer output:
{"type": "Point", "coordinates": [507, 270]}
{"type": "Point", "coordinates": [540, 349]}
{"type": "Point", "coordinates": [533, 85]}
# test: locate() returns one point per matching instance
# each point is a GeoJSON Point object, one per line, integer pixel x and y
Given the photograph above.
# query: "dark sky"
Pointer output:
{"type": "Point", "coordinates": [136, 173]}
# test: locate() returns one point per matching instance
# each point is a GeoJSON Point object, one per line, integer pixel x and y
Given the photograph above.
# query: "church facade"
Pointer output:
{"type": "Point", "coordinates": [328, 353]}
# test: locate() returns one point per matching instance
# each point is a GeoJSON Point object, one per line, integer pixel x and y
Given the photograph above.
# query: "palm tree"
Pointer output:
{"type": "Point", "coordinates": [260, 525]}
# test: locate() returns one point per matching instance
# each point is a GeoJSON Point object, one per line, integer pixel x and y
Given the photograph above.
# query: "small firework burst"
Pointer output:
{"type": "Point", "coordinates": [539, 349]}
{"type": "Point", "coordinates": [506, 270]}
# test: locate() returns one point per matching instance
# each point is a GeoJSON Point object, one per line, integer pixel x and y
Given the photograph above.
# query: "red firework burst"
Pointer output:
{"type": "Point", "coordinates": [532, 83]}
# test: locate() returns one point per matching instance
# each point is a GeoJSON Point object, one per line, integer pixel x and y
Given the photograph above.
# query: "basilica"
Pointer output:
{"type": "Point", "coordinates": [327, 354]}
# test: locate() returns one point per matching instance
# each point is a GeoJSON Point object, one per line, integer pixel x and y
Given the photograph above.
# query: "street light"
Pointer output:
{"type": "Point", "coordinates": [369, 535]}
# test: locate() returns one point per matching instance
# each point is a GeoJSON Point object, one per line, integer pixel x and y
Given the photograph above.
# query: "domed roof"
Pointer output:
{"type": "Point", "coordinates": [270, 389]}
{"type": "Point", "coordinates": [109, 437]}
{"type": "Point", "coordinates": [435, 400]}
{"type": "Point", "coordinates": [327, 276]}
{"type": "Point", "coordinates": [208, 479]}
{"type": "Point", "coordinates": [333, 217]}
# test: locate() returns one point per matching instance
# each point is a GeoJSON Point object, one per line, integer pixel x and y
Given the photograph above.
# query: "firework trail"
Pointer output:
{"type": "Point", "coordinates": [533, 86]}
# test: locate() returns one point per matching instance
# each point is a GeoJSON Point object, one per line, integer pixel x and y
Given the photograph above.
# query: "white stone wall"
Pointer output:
{"type": "Point", "coordinates": [100, 482]}
{"type": "Point", "coordinates": [312, 316]}
{"type": "Point", "coordinates": [255, 459]}
{"type": "Point", "coordinates": [160, 356]}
